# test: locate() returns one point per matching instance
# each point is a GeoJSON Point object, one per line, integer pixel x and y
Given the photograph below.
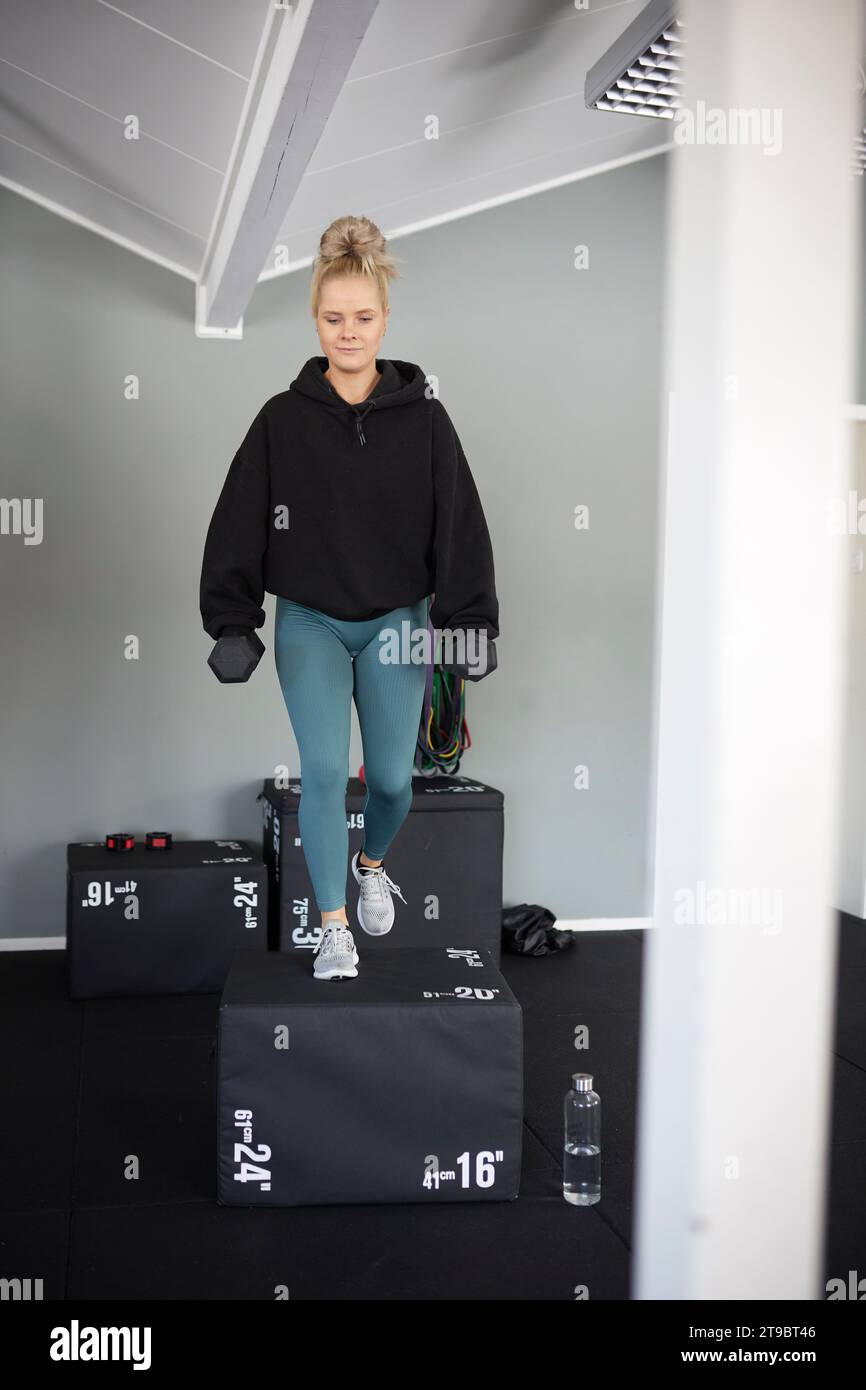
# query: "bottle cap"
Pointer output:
{"type": "Point", "coordinates": [582, 1081]}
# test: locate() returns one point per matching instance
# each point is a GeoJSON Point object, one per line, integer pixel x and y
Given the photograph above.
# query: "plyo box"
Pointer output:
{"type": "Point", "coordinates": [446, 859]}
{"type": "Point", "coordinates": [161, 921]}
{"type": "Point", "coordinates": [402, 1085]}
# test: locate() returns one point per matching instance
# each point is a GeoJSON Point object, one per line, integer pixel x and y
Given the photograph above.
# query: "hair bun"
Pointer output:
{"type": "Point", "coordinates": [351, 236]}
{"type": "Point", "coordinates": [353, 246]}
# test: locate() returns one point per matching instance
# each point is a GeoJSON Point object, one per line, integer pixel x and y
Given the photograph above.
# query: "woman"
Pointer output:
{"type": "Point", "coordinates": [351, 500]}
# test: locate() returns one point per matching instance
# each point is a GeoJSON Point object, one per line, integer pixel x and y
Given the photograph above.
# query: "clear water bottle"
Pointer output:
{"type": "Point", "coordinates": [581, 1159]}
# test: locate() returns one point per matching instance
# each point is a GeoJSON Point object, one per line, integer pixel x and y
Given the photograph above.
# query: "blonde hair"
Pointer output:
{"type": "Point", "coordinates": [352, 246]}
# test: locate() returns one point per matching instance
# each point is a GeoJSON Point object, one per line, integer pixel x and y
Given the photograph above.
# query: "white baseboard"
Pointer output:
{"type": "Point", "coordinates": [582, 924]}
{"type": "Point", "coordinates": [33, 943]}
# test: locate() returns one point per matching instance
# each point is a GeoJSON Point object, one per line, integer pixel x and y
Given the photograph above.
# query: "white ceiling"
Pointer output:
{"type": "Point", "coordinates": [504, 78]}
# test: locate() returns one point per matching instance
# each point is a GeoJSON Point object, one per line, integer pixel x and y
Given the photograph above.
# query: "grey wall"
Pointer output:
{"type": "Point", "coordinates": [551, 376]}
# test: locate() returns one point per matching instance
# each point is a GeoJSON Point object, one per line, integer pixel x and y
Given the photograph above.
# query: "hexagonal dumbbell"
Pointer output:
{"type": "Point", "coordinates": [236, 654]}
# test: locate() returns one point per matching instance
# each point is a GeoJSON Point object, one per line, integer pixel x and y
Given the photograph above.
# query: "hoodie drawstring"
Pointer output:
{"type": "Point", "coordinates": [358, 418]}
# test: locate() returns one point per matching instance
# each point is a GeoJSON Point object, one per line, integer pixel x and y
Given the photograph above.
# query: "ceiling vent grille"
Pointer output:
{"type": "Point", "coordinates": [642, 72]}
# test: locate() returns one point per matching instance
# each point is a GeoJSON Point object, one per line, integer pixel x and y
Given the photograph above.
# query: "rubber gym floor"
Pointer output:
{"type": "Point", "coordinates": [86, 1081]}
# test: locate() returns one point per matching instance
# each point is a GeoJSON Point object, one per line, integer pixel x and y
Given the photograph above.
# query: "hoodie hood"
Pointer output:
{"type": "Point", "coordinates": [400, 383]}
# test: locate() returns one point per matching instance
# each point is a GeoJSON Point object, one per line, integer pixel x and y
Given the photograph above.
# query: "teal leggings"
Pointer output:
{"type": "Point", "coordinates": [322, 662]}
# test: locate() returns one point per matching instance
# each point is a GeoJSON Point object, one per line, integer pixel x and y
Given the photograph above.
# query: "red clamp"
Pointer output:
{"type": "Point", "coordinates": [120, 840]}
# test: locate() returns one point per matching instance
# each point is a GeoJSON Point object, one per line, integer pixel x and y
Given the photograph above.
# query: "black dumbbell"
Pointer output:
{"type": "Point", "coordinates": [236, 654]}
{"type": "Point", "coordinates": [487, 660]}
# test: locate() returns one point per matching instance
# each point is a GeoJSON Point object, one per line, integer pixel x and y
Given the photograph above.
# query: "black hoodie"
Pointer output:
{"type": "Point", "coordinates": [350, 509]}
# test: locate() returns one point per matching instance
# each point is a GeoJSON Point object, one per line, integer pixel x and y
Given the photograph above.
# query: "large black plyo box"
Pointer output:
{"type": "Point", "coordinates": [161, 921]}
{"type": "Point", "coordinates": [403, 1085]}
{"type": "Point", "coordinates": [446, 859]}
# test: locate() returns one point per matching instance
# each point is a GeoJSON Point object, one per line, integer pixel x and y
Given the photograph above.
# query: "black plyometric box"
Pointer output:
{"type": "Point", "coordinates": [446, 859]}
{"type": "Point", "coordinates": [404, 1084]}
{"type": "Point", "coordinates": [161, 921]}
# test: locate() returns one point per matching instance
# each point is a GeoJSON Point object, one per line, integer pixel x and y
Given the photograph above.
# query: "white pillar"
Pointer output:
{"type": "Point", "coordinates": [737, 1019]}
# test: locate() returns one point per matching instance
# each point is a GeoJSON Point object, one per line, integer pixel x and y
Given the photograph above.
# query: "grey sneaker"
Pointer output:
{"type": "Point", "coordinates": [375, 905]}
{"type": "Point", "coordinates": [336, 957]}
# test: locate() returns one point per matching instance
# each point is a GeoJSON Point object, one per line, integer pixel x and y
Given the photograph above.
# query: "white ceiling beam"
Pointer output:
{"type": "Point", "coordinates": [306, 50]}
